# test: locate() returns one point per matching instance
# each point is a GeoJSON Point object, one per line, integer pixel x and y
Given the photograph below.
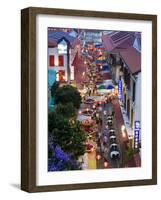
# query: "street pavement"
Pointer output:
{"type": "Point", "coordinates": [92, 160]}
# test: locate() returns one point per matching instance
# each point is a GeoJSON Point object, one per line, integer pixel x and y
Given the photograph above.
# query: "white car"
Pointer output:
{"type": "Point", "coordinates": [109, 122]}
{"type": "Point", "coordinates": [109, 117]}
{"type": "Point", "coordinates": [114, 154]}
{"type": "Point", "coordinates": [111, 131]}
{"type": "Point", "coordinates": [112, 137]}
{"type": "Point", "coordinates": [114, 151]}
{"type": "Point", "coordinates": [112, 146]}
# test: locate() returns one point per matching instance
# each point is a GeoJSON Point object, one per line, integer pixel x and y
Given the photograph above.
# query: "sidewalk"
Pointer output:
{"type": "Point", "coordinates": [119, 118]}
{"type": "Point", "coordinates": [136, 160]}
{"type": "Point", "coordinates": [122, 139]}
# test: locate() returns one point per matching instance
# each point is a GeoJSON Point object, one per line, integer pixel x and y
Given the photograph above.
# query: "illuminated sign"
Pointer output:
{"type": "Point", "coordinates": [120, 90]}
{"type": "Point", "coordinates": [62, 47]}
{"type": "Point", "coordinates": [136, 134]}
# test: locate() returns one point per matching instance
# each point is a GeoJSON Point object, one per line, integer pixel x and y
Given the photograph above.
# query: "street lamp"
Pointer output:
{"type": "Point", "coordinates": [105, 164]}
{"type": "Point", "coordinates": [80, 112]}
{"type": "Point", "coordinates": [98, 157]}
{"type": "Point", "coordinates": [123, 128]}
{"type": "Point", "coordinates": [123, 131]}
{"type": "Point", "coordinates": [94, 106]}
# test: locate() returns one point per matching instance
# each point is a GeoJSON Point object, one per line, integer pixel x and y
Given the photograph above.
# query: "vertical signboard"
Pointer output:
{"type": "Point", "coordinates": [120, 90]}
{"type": "Point", "coordinates": [136, 134]}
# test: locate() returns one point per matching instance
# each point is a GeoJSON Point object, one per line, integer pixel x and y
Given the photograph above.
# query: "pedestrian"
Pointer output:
{"type": "Point", "coordinates": [98, 149]}
{"type": "Point", "coordinates": [106, 127]}
{"type": "Point", "coordinates": [100, 121]}
{"type": "Point", "coordinates": [113, 113]}
{"type": "Point", "coordinates": [89, 92]}
{"type": "Point", "coordinates": [104, 112]}
{"type": "Point", "coordinates": [105, 139]}
{"type": "Point", "coordinates": [102, 148]}
{"type": "Point", "coordinates": [99, 135]}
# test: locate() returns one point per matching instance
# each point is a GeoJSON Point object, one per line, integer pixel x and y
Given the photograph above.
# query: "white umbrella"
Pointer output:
{"type": "Point", "coordinates": [82, 117]}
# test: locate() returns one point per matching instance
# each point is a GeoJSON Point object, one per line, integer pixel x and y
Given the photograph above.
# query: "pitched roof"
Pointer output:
{"type": "Point", "coordinates": [118, 40]}
{"type": "Point", "coordinates": [52, 43]}
{"type": "Point", "coordinates": [132, 58]}
{"type": "Point", "coordinates": [55, 36]}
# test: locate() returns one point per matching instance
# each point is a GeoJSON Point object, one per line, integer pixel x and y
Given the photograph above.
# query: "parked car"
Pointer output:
{"type": "Point", "coordinates": [113, 147]}
{"type": "Point", "coordinates": [109, 117]}
{"type": "Point", "coordinates": [114, 154]}
{"type": "Point", "coordinates": [109, 122]}
{"type": "Point", "coordinates": [111, 132]}
{"type": "Point", "coordinates": [112, 139]}
{"type": "Point", "coordinates": [114, 151]}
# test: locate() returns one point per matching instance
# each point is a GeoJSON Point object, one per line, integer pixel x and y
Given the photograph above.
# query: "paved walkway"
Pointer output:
{"type": "Point", "coordinates": [92, 160]}
{"type": "Point", "coordinates": [136, 160]}
{"type": "Point", "coordinates": [119, 117]}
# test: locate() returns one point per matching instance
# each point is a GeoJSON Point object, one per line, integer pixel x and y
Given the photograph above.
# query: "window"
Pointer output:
{"type": "Point", "coordinates": [51, 60]}
{"type": "Point", "coordinates": [61, 75]}
{"type": "Point", "coordinates": [61, 60]}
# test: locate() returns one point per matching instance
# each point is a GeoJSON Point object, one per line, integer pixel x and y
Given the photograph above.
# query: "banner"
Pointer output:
{"type": "Point", "coordinates": [136, 134]}
{"type": "Point", "coordinates": [120, 90]}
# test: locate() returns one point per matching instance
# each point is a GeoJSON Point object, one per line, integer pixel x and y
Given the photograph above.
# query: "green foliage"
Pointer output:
{"type": "Point", "coordinates": [70, 137]}
{"type": "Point", "coordinates": [55, 120]}
{"type": "Point", "coordinates": [129, 153]}
{"type": "Point", "coordinates": [66, 94]}
{"type": "Point", "coordinates": [54, 88]}
{"type": "Point", "coordinates": [67, 110]}
{"type": "Point", "coordinates": [63, 133]}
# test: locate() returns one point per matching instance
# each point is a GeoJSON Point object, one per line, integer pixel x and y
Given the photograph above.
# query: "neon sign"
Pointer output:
{"type": "Point", "coordinates": [120, 90]}
{"type": "Point", "coordinates": [136, 134]}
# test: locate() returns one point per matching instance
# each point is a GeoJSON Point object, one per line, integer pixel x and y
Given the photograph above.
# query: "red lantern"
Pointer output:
{"type": "Point", "coordinates": [98, 157]}
{"type": "Point", "coordinates": [105, 164]}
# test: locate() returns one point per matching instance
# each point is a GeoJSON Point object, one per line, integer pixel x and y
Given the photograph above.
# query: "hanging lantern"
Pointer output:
{"type": "Point", "coordinates": [105, 164]}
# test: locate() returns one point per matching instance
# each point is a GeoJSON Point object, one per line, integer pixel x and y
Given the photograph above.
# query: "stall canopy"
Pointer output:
{"type": "Point", "coordinates": [101, 87]}
{"type": "Point", "coordinates": [105, 68]}
{"type": "Point", "coordinates": [82, 117]}
{"type": "Point", "coordinates": [109, 87]}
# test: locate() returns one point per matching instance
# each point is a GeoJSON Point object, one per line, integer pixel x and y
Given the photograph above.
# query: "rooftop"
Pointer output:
{"type": "Point", "coordinates": [118, 40]}
{"type": "Point", "coordinates": [55, 36]}
{"type": "Point", "coordinates": [132, 58]}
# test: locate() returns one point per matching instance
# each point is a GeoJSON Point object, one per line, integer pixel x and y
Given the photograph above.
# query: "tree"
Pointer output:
{"type": "Point", "coordinates": [55, 120]}
{"type": "Point", "coordinates": [66, 94]}
{"type": "Point", "coordinates": [129, 154]}
{"type": "Point", "coordinates": [69, 136]}
{"type": "Point", "coordinates": [54, 88]}
{"type": "Point", "coordinates": [68, 110]}
{"type": "Point", "coordinates": [58, 160]}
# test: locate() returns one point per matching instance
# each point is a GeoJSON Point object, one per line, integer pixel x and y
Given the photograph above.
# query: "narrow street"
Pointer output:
{"type": "Point", "coordinates": [99, 156]}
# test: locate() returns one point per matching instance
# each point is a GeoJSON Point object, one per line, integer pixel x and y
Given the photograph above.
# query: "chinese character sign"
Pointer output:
{"type": "Point", "coordinates": [120, 90]}
{"type": "Point", "coordinates": [136, 134]}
